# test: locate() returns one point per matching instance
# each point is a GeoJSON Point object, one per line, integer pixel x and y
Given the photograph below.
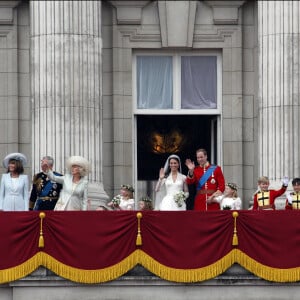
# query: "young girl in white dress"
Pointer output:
{"type": "Point", "coordinates": [123, 201]}
{"type": "Point", "coordinates": [171, 188]}
{"type": "Point", "coordinates": [145, 203]}
{"type": "Point", "coordinates": [229, 200]}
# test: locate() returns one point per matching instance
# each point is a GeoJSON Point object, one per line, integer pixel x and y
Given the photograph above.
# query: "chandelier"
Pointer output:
{"type": "Point", "coordinates": [171, 142]}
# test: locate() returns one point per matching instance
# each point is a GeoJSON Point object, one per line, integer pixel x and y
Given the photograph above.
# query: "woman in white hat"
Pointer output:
{"type": "Point", "coordinates": [14, 190]}
{"type": "Point", "coordinates": [73, 195]}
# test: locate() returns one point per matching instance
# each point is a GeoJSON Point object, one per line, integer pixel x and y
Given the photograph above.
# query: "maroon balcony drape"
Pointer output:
{"type": "Point", "coordinates": [189, 246]}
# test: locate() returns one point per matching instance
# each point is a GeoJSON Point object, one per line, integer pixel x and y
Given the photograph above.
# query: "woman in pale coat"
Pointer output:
{"type": "Point", "coordinates": [14, 190]}
{"type": "Point", "coordinates": [73, 195]}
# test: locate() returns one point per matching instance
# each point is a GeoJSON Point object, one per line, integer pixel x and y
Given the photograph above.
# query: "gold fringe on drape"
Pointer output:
{"type": "Point", "coordinates": [21, 270]}
{"type": "Point", "coordinates": [73, 274]}
{"type": "Point", "coordinates": [164, 272]}
{"type": "Point", "coordinates": [117, 270]}
{"type": "Point", "coordinates": [186, 275]}
{"type": "Point", "coordinates": [265, 272]}
{"type": "Point", "coordinates": [90, 276]}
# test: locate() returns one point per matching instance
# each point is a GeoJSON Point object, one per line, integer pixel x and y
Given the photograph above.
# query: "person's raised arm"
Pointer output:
{"type": "Point", "coordinates": [47, 170]}
{"type": "Point", "coordinates": [191, 166]}
{"type": "Point", "coordinates": [160, 179]}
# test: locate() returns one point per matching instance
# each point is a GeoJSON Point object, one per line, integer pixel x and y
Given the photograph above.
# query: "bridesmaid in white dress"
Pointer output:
{"type": "Point", "coordinates": [14, 189]}
{"type": "Point", "coordinates": [171, 182]}
{"type": "Point", "coordinates": [229, 200]}
{"type": "Point", "coordinates": [123, 201]}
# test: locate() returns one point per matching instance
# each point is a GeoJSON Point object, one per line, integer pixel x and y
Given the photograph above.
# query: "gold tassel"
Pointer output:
{"type": "Point", "coordinates": [139, 236]}
{"type": "Point", "coordinates": [235, 240]}
{"type": "Point", "coordinates": [41, 239]}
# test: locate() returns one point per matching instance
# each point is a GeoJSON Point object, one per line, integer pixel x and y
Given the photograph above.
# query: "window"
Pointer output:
{"type": "Point", "coordinates": [154, 82]}
{"type": "Point", "coordinates": [176, 82]}
{"type": "Point", "coordinates": [199, 82]}
{"type": "Point", "coordinates": [177, 108]}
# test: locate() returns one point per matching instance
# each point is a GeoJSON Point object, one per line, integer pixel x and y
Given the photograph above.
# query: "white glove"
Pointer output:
{"type": "Point", "coordinates": [186, 194]}
{"type": "Point", "coordinates": [289, 198]}
{"type": "Point", "coordinates": [285, 181]}
{"type": "Point", "coordinates": [219, 198]}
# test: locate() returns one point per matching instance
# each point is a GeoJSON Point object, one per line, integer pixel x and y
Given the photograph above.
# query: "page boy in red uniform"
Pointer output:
{"type": "Point", "coordinates": [293, 198]}
{"type": "Point", "coordinates": [264, 199]}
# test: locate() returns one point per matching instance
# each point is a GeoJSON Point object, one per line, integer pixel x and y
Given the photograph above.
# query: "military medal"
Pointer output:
{"type": "Point", "coordinates": [213, 181]}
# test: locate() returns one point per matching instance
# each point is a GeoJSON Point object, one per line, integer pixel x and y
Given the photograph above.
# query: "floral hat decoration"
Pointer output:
{"type": "Point", "coordinates": [127, 187]}
{"type": "Point", "coordinates": [146, 199]}
{"type": "Point", "coordinates": [233, 186]}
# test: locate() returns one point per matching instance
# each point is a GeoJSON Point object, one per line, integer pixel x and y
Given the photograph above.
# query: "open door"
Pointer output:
{"type": "Point", "coordinates": [159, 136]}
{"type": "Point", "coordinates": [214, 140]}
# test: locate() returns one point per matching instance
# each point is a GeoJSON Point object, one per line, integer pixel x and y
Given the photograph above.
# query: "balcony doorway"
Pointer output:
{"type": "Point", "coordinates": [159, 136]}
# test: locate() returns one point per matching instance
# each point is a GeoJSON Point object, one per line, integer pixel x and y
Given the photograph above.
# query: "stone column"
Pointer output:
{"type": "Point", "coordinates": [278, 38]}
{"type": "Point", "coordinates": [66, 85]}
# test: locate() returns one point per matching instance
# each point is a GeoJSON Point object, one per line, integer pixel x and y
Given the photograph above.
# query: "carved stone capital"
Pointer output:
{"type": "Point", "coordinates": [6, 11]}
{"type": "Point", "coordinates": [129, 12]}
{"type": "Point", "coordinates": [225, 12]}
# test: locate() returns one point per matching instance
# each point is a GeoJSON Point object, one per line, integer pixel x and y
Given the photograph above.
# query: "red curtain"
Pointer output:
{"type": "Point", "coordinates": [189, 246]}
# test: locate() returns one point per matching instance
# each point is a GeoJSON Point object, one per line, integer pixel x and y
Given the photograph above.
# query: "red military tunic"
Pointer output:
{"type": "Point", "coordinates": [215, 182]}
{"type": "Point", "coordinates": [296, 201]}
{"type": "Point", "coordinates": [266, 200]}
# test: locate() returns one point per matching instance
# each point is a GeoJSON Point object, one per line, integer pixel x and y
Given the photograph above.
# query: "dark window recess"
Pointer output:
{"type": "Point", "coordinates": [161, 135]}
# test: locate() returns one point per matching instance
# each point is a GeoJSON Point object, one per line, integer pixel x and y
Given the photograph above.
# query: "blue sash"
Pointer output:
{"type": "Point", "coordinates": [46, 189]}
{"type": "Point", "coordinates": [205, 177]}
{"type": "Point", "coordinates": [48, 186]}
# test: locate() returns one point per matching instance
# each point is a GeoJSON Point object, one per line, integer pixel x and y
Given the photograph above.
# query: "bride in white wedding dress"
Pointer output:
{"type": "Point", "coordinates": [170, 183]}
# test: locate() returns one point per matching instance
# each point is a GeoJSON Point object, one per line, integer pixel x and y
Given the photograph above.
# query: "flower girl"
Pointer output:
{"type": "Point", "coordinates": [229, 200]}
{"type": "Point", "coordinates": [123, 201]}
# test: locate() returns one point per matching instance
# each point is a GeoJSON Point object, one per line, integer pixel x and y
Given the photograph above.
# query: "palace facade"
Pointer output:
{"type": "Point", "coordinates": [126, 83]}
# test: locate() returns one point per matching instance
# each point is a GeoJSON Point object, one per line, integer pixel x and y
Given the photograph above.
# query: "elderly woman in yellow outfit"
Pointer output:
{"type": "Point", "coordinates": [73, 195]}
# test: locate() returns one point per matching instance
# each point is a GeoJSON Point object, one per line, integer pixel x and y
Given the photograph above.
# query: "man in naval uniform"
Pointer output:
{"type": "Point", "coordinates": [44, 192]}
{"type": "Point", "coordinates": [208, 179]}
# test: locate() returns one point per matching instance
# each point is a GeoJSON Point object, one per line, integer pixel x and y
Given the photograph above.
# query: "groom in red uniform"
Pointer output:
{"type": "Point", "coordinates": [208, 179]}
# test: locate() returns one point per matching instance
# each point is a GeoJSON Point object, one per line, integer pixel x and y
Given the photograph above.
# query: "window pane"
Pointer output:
{"type": "Point", "coordinates": [154, 82]}
{"type": "Point", "coordinates": [199, 82]}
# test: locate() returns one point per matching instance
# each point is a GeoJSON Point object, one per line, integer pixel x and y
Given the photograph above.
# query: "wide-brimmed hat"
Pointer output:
{"type": "Point", "coordinates": [16, 156]}
{"type": "Point", "coordinates": [78, 161]}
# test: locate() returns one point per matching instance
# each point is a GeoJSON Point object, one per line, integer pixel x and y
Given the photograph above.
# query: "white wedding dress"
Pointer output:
{"type": "Point", "coordinates": [165, 191]}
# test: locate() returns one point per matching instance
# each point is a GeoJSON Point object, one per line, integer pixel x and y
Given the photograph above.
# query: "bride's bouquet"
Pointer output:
{"type": "Point", "coordinates": [179, 198]}
{"type": "Point", "coordinates": [116, 200]}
